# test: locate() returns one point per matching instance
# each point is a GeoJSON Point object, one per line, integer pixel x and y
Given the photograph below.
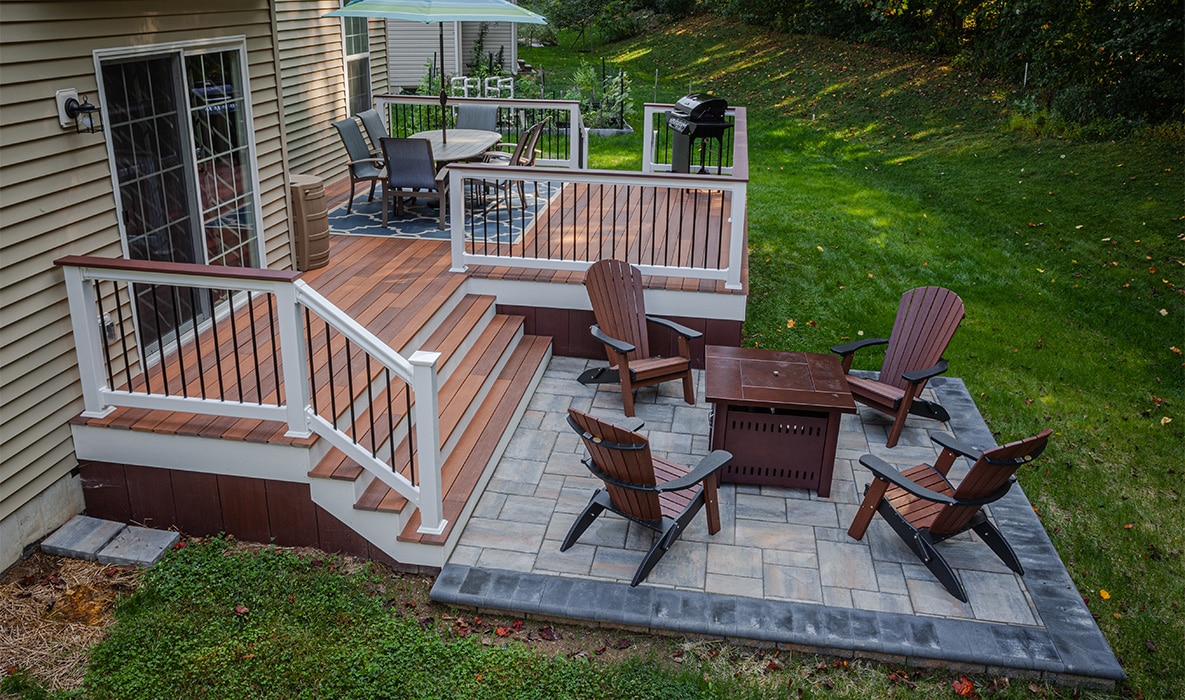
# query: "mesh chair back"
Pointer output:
{"type": "Point", "coordinates": [356, 147]}
{"type": "Point", "coordinates": [410, 164]}
{"type": "Point", "coordinates": [375, 129]}
{"type": "Point", "coordinates": [483, 117]}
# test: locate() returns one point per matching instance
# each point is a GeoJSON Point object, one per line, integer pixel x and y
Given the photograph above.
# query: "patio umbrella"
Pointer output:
{"type": "Point", "coordinates": [439, 12]}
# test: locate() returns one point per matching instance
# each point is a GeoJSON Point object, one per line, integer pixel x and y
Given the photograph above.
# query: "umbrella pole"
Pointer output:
{"type": "Point", "coordinates": [443, 96]}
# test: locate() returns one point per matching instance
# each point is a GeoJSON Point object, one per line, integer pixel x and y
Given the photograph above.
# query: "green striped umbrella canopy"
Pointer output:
{"type": "Point", "coordinates": [440, 11]}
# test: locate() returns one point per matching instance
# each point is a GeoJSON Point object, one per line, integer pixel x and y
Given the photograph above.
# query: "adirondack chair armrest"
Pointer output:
{"type": "Point", "coordinates": [950, 442]}
{"type": "Point", "coordinates": [618, 345]}
{"type": "Point", "coordinates": [680, 329]}
{"type": "Point", "coordinates": [707, 466]}
{"type": "Point", "coordinates": [885, 471]}
{"type": "Point", "coordinates": [849, 348]}
{"type": "Point", "coordinates": [920, 375]}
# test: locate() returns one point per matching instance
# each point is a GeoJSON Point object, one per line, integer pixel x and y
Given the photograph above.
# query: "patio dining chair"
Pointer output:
{"type": "Point", "coordinates": [521, 154]}
{"type": "Point", "coordinates": [927, 318]}
{"type": "Point", "coordinates": [363, 165]}
{"type": "Point", "coordinates": [655, 493]}
{"type": "Point", "coordinates": [618, 303]}
{"type": "Point", "coordinates": [482, 117]}
{"type": "Point", "coordinates": [376, 130]}
{"type": "Point", "coordinates": [924, 509]}
{"type": "Point", "coordinates": [412, 173]}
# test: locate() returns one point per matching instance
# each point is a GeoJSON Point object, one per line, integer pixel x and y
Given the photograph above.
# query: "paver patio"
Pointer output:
{"type": "Point", "coordinates": [782, 570]}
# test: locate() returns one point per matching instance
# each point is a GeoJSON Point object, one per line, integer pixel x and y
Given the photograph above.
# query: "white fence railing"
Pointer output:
{"type": "Point", "coordinates": [563, 142]}
{"type": "Point", "coordinates": [253, 361]}
{"type": "Point", "coordinates": [669, 224]}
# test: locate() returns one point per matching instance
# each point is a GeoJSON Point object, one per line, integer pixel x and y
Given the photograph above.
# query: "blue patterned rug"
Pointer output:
{"type": "Point", "coordinates": [488, 218]}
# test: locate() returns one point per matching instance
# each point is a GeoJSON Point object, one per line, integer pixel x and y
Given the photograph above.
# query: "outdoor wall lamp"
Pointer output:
{"type": "Point", "coordinates": [84, 116]}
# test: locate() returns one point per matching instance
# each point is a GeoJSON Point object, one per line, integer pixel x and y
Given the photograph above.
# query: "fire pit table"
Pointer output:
{"type": "Point", "coordinates": [778, 414]}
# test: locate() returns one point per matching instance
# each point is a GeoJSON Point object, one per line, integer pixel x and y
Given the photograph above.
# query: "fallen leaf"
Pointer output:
{"type": "Point", "coordinates": [1149, 645]}
{"type": "Point", "coordinates": [1165, 420]}
{"type": "Point", "coordinates": [1104, 594]}
{"type": "Point", "coordinates": [1164, 312]}
{"type": "Point", "coordinates": [502, 631]}
{"type": "Point", "coordinates": [812, 324]}
{"type": "Point", "coordinates": [622, 644]}
{"type": "Point", "coordinates": [790, 323]}
{"type": "Point", "coordinates": [518, 625]}
{"type": "Point", "coordinates": [547, 633]}
{"type": "Point", "coordinates": [601, 650]}
{"type": "Point", "coordinates": [964, 687]}
{"type": "Point", "coordinates": [820, 248]}
{"type": "Point", "coordinates": [241, 610]}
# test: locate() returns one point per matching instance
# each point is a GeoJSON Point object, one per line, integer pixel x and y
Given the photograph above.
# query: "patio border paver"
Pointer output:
{"type": "Point", "coordinates": [1068, 647]}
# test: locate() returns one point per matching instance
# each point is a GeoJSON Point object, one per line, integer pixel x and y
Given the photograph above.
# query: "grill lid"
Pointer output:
{"type": "Point", "coordinates": [697, 107]}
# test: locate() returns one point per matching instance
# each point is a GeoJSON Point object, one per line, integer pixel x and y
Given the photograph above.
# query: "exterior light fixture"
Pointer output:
{"type": "Point", "coordinates": [78, 112]}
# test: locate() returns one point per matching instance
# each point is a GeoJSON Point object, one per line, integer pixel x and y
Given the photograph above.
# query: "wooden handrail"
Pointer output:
{"type": "Point", "coordinates": [176, 268]}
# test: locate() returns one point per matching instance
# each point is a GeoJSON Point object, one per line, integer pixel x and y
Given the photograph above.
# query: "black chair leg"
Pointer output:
{"type": "Point", "coordinates": [942, 571]}
{"type": "Point", "coordinates": [350, 201]}
{"type": "Point", "coordinates": [993, 539]}
{"type": "Point", "coordinates": [657, 550]}
{"type": "Point", "coordinates": [596, 505]}
{"type": "Point", "coordinates": [372, 185]}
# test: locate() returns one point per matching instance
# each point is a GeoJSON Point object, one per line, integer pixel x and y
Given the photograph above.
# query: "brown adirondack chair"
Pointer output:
{"type": "Point", "coordinates": [615, 291]}
{"type": "Point", "coordinates": [653, 492]}
{"type": "Point", "coordinates": [923, 508]}
{"type": "Point", "coordinates": [926, 320]}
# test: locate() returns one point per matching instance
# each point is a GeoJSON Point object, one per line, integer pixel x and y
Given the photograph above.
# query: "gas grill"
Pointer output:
{"type": "Point", "coordinates": [697, 118]}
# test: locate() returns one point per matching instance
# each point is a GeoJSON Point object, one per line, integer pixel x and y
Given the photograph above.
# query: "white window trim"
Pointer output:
{"type": "Point", "coordinates": [348, 57]}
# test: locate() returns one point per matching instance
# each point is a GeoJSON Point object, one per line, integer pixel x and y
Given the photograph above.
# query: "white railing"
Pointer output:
{"type": "Point", "coordinates": [278, 324]}
{"type": "Point", "coordinates": [668, 224]}
{"type": "Point", "coordinates": [656, 142]}
{"type": "Point", "coordinates": [563, 143]}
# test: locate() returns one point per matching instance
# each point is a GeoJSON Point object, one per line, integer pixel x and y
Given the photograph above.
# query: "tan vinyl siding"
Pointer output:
{"type": "Point", "coordinates": [56, 198]}
{"type": "Point", "coordinates": [313, 76]}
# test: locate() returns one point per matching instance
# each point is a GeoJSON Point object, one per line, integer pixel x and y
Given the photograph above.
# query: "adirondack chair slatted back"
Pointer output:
{"type": "Point", "coordinates": [615, 292]}
{"type": "Point", "coordinates": [634, 466]}
{"type": "Point", "coordinates": [926, 321]}
{"type": "Point", "coordinates": [527, 154]}
{"type": "Point", "coordinates": [990, 472]}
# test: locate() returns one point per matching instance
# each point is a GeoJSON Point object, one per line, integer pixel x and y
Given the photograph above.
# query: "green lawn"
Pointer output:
{"type": "Point", "coordinates": [872, 172]}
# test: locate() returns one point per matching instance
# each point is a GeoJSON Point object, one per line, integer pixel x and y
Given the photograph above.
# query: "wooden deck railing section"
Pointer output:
{"type": "Point", "coordinates": [563, 142]}
{"type": "Point", "coordinates": [276, 350]}
{"type": "Point", "coordinates": [673, 225]}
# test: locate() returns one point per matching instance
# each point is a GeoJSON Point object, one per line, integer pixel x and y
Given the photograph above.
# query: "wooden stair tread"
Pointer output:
{"type": "Point", "coordinates": [464, 467]}
{"type": "Point", "coordinates": [455, 395]}
{"type": "Point", "coordinates": [456, 326]}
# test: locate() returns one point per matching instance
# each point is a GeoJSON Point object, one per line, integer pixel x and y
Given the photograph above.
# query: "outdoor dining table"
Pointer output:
{"type": "Point", "coordinates": [463, 144]}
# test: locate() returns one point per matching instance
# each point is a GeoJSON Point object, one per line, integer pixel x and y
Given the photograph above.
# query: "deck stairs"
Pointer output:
{"type": "Point", "coordinates": [487, 372]}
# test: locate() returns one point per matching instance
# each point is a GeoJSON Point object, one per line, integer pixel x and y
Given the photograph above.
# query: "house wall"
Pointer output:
{"type": "Point", "coordinates": [56, 199]}
{"type": "Point", "coordinates": [411, 45]}
{"type": "Point", "coordinates": [313, 80]}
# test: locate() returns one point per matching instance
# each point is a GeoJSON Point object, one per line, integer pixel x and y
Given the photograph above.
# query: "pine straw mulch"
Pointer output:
{"type": "Point", "coordinates": [52, 609]}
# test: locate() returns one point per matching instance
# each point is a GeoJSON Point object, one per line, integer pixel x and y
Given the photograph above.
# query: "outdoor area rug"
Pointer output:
{"type": "Point", "coordinates": [489, 218]}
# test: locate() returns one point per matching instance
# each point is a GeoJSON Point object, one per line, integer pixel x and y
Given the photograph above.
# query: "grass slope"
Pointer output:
{"type": "Point", "coordinates": [873, 172]}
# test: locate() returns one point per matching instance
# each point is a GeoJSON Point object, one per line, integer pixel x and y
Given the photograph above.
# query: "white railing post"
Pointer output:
{"type": "Point", "coordinates": [736, 236]}
{"type": "Point", "coordinates": [294, 359]}
{"type": "Point", "coordinates": [88, 334]}
{"type": "Point", "coordinates": [648, 139]}
{"type": "Point", "coordinates": [428, 460]}
{"type": "Point", "coordinates": [456, 201]}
